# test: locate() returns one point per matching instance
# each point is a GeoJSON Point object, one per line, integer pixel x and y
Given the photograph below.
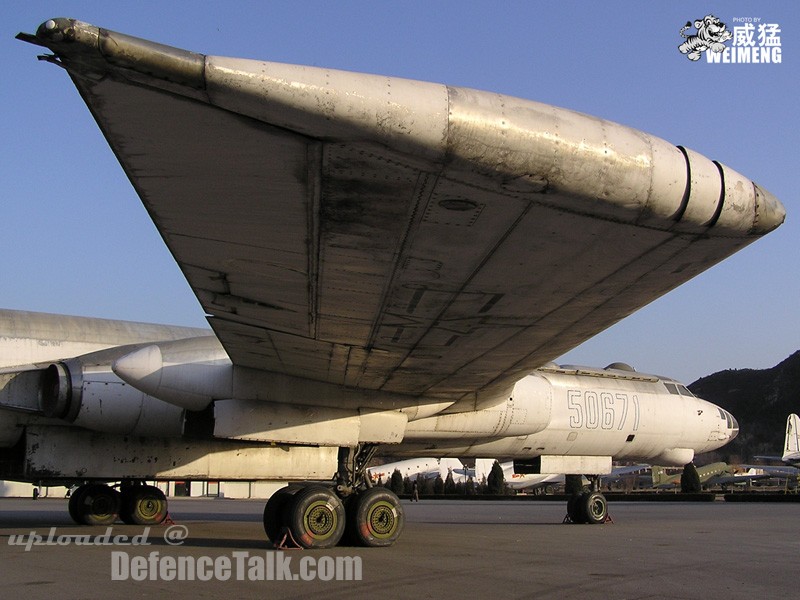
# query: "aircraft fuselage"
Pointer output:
{"type": "Point", "coordinates": [59, 382]}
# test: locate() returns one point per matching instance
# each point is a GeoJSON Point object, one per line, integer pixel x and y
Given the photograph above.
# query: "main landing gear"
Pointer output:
{"type": "Point", "coordinates": [349, 511]}
{"type": "Point", "coordinates": [587, 506]}
{"type": "Point", "coordinates": [135, 503]}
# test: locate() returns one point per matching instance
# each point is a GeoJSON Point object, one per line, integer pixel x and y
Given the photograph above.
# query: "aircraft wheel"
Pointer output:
{"type": "Point", "coordinates": [143, 505]}
{"type": "Point", "coordinates": [75, 500]}
{"type": "Point", "coordinates": [316, 517]}
{"type": "Point", "coordinates": [574, 511]}
{"type": "Point", "coordinates": [98, 504]}
{"type": "Point", "coordinates": [595, 508]}
{"type": "Point", "coordinates": [375, 518]}
{"type": "Point", "coordinates": [276, 512]}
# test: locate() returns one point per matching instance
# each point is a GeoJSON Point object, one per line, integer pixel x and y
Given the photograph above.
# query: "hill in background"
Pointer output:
{"type": "Point", "coordinates": [760, 400]}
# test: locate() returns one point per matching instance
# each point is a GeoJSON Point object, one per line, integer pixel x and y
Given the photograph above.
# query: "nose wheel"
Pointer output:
{"type": "Point", "coordinates": [589, 507]}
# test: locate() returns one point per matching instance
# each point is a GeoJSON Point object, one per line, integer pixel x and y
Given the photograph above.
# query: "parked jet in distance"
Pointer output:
{"type": "Point", "coordinates": [427, 468]}
{"type": "Point", "coordinates": [430, 468]}
{"type": "Point", "coordinates": [524, 481]}
{"type": "Point", "coordinates": [515, 481]}
{"type": "Point", "coordinates": [385, 263]}
{"type": "Point", "coordinates": [791, 444]}
{"type": "Point", "coordinates": [707, 473]}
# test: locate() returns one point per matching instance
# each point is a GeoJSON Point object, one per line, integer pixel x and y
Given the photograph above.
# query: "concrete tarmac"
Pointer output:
{"type": "Point", "coordinates": [449, 549]}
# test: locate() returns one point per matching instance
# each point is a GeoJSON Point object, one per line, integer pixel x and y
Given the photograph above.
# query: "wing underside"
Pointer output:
{"type": "Point", "coordinates": [401, 236]}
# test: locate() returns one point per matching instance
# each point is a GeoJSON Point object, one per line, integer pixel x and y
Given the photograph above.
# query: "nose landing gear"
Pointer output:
{"type": "Point", "coordinates": [588, 506]}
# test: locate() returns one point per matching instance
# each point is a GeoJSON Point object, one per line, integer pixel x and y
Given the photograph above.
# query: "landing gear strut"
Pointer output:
{"type": "Point", "coordinates": [350, 510]}
{"type": "Point", "coordinates": [587, 506]}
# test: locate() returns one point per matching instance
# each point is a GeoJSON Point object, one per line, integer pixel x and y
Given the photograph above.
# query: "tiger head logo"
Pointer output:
{"type": "Point", "coordinates": [711, 35]}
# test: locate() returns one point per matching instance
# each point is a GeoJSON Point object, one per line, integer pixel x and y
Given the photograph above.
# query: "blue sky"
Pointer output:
{"type": "Point", "coordinates": [76, 240]}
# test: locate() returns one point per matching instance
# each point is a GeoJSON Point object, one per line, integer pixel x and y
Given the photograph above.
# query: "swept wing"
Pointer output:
{"type": "Point", "coordinates": [397, 235]}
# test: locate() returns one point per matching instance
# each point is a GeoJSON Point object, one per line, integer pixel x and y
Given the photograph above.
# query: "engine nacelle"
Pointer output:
{"type": "Point", "coordinates": [527, 410]}
{"type": "Point", "coordinates": [194, 372]}
{"type": "Point", "coordinates": [189, 373]}
{"type": "Point", "coordinates": [86, 392]}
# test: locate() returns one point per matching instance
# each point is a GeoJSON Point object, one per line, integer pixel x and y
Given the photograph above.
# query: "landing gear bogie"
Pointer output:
{"type": "Point", "coordinates": [315, 517]}
{"type": "Point", "coordinates": [347, 510]}
{"type": "Point", "coordinates": [134, 504]}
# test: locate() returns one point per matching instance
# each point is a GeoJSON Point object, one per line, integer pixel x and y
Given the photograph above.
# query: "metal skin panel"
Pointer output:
{"type": "Point", "coordinates": [61, 452]}
{"type": "Point", "coordinates": [110, 405]}
{"type": "Point", "coordinates": [298, 424]}
{"type": "Point", "coordinates": [393, 235]}
{"type": "Point", "coordinates": [262, 421]}
{"type": "Point", "coordinates": [576, 464]}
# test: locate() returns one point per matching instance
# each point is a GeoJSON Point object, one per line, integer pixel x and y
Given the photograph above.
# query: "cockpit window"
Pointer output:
{"type": "Point", "coordinates": [729, 419]}
{"type": "Point", "coordinates": [678, 389]}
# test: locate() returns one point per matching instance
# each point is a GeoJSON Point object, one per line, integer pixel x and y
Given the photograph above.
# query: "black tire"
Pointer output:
{"type": "Point", "coordinates": [144, 505]}
{"type": "Point", "coordinates": [595, 508]}
{"type": "Point", "coordinates": [98, 504]}
{"type": "Point", "coordinates": [316, 517]}
{"type": "Point", "coordinates": [276, 512]}
{"type": "Point", "coordinates": [74, 502]}
{"type": "Point", "coordinates": [375, 518]}
{"type": "Point", "coordinates": [575, 510]}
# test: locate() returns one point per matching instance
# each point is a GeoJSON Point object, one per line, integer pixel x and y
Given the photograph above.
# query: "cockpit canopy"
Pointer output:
{"type": "Point", "coordinates": [731, 421]}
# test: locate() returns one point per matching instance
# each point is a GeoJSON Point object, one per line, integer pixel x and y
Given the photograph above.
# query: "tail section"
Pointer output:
{"type": "Point", "coordinates": [791, 446]}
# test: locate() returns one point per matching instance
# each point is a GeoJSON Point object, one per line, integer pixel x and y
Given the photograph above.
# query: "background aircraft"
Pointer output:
{"type": "Point", "coordinates": [708, 474]}
{"type": "Point", "coordinates": [427, 468]}
{"type": "Point", "coordinates": [791, 444]}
